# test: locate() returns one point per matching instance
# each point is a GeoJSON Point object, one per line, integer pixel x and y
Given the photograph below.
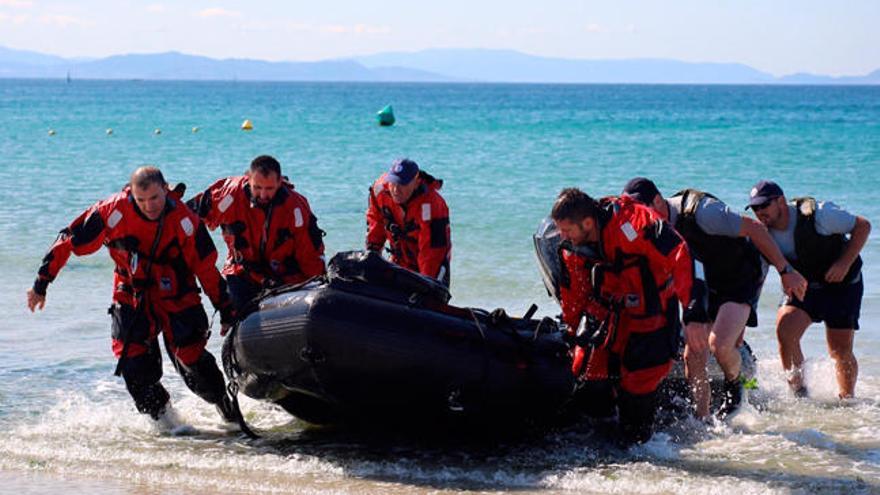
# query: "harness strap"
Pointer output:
{"type": "Point", "coordinates": [139, 297]}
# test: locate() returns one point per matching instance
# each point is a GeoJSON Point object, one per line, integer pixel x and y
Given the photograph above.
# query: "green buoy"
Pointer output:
{"type": "Point", "coordinates": [385, 116]}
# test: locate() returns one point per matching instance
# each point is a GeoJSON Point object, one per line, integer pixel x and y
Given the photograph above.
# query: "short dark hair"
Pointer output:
{"type": "Point", "coordinates": [573, 205]}
{"type": "Point", "coordinates": [144, 176]}
{"type": "Point", "coordinates": [266, 165]}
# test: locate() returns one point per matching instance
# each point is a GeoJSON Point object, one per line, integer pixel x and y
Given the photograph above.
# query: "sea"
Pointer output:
{"type": "Point", "coordinates": [504, 151]}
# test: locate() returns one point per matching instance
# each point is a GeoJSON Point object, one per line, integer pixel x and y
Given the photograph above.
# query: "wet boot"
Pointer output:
{"type": "Point", "coordinates": [636, 415]}
{"type": "Point", "coordinates": [142, 374]}
{"type": "Point", "coordinates": [205, 379]}
{"type": "Point", "coordinates": [733, 393]}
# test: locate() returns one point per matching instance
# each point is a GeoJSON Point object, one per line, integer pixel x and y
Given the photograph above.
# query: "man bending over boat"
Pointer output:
{"type": "Point", "coordinates": [270, 231]}
{"type": "Point", "coordinates": [158, 246]}
{"type": "Point", "coordinates": [406, 210]}
{"type": "Point", "coordinates": [624, 269]}
{"type": "Point", "coordinates": [823, 242]}
{"type": "Point", "coordinates": [728, 247]}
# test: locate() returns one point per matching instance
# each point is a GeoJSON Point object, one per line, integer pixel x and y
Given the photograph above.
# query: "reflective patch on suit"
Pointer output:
{"type": "Point", "coordinates": [187, 226]}
{"type": "Point", "coordinates": [225, 203]}
{"type": "Point", "coordinates": [632, 300]}
{"type": "Point", "coordinates": [629, 231]}
{"type": "Point", "coordinates": [426, 212]}
{"type": "Point", "coordinates": [298, 218]}
{"type": "Point", "coordinates": [114, 218]}
{"type": "Point", "coordinates": [134, 263]}
{"type": "Point", "coordinates": [165, 283]}
{"type": "Point", "coordinates": [699, 273]}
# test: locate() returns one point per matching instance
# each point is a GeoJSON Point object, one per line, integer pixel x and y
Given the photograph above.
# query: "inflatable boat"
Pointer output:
{"type": "Point", "coordinates": [373, 341]}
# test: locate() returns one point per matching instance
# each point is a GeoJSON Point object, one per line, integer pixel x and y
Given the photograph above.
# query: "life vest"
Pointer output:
{"type": "Point", "coordinates": [633, 281]}
{"type": "Point", "coordinates": [417, 232]}
{"type": "Point", "coordinates": [279, 243]}
{"type": "Point", "coordinates": [728, 262]}
{"type": "Point", "coordinates": [815, 252]}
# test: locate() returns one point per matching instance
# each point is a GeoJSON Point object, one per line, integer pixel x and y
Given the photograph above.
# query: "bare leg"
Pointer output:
{"type": "Point", "coordinates": [840, 347]}
{"type": "Point", "coordinates": [698, 379]}
{"type": "Point", "coordinates": [727, 330]}
{"type": "Point", "coordinates": [791, 323]}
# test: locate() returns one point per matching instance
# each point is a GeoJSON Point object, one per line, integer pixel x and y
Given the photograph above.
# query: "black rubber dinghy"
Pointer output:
{"type": "Point", "coordinates": [373, 341]}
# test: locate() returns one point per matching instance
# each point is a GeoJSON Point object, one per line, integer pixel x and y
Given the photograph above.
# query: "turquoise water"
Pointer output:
{"type": "Point", "coordinates": [504, 152]}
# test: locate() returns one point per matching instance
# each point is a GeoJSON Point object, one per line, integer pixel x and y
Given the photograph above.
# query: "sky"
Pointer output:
{"type": "Point", "coordinates": [776, 36]}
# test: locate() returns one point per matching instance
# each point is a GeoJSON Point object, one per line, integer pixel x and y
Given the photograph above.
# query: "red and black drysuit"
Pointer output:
{"type": "Point", "coordinates": [268, 245]}
{"type": "Point", "coordinates": [417, 231]}
{"type": "Point", "coordinates": [165, 301]}
{"type": "Point", "coordinates": [640, 270]}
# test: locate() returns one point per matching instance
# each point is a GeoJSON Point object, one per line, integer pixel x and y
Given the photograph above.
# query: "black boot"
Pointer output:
{"type": "Point", "coordinates": [733, 392]}
{"type": "Point", "coordinates": [636, 416]}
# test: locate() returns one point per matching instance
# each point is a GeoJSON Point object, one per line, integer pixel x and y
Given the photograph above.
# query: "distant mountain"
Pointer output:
{"type": "Point", "coordinates": [513, 66]}
{"type": "Point", "coordinates": [173, 65]}
{"type": "Point", "coordinates": [28, 58]}
{"type": "Point", "coordinates": [803, 78]}
{"type": "Point", "coordinates": [434, 65]}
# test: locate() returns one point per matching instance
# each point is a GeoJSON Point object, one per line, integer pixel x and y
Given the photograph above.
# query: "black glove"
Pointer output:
{"type": "Point", "coordinates": [227, 315]}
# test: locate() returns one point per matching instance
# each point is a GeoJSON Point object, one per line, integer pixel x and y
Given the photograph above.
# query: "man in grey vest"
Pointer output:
{"type": "Point", "coordinates": [823, 242]}
{"type": "Point", "coordinates": [728, 247]}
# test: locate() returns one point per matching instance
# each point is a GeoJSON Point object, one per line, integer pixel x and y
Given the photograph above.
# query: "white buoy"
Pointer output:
{"type": "Point", "coordinates": [109, 131]}
{"type": "Point", "coordinates": [157, 131]}
{"type": "Point", "coordinates": [247, 125]}
{"type": "Point", "coordinates": [51, 132]}
{"type": "Point", "coordinates": [195, 129]}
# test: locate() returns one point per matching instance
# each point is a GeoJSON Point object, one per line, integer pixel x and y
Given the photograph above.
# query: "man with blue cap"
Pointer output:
{"type": "Point", "coordinates": [406, 211]}
{"type": "Point", "coordinates": [823, 242]}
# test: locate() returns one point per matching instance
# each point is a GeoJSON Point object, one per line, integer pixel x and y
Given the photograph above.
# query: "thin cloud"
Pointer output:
{"type": "Point", "coordinates": [356, 29]}
{"type": "Point", "coordinates": [64, 21]}
{"type": "Point", "coordinates": [157, 8]}
{"type": "Point", "coordinates": [218, 12]}
{"type": "Point", "coordinates": [16, 4]}
{"type": "Point", "coordinates": [595, 28]}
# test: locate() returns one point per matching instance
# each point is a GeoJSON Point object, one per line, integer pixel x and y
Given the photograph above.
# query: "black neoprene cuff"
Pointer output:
{"type": "Point", "coordinates": [40, 286]}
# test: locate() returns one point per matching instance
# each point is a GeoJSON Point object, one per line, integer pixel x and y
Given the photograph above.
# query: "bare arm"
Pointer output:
{"type": "Point", "coordinates": [793, 283]}
{"type": "Point", "coordinates": [857, 240]}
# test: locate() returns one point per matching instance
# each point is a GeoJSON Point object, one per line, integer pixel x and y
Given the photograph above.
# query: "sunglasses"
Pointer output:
{"type": "Point", "coordinates": [762, 206]}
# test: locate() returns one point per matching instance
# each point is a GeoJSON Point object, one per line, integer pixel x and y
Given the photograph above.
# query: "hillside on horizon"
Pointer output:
{"type": "Point", "coordinates": [432, 65]}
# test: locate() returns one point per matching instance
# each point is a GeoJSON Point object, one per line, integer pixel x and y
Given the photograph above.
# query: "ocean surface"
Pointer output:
{"type": "Point", "coordinates": [504, 152]}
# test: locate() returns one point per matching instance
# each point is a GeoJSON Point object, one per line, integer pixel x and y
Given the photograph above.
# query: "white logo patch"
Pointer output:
{"type": "Point", "coordinates": [114, 219]}
{"type": "Point", "coordinates": [754, 192]}
{"type": "Point", "coordinates": [225, 203]}
{"type": "Point", "coordinates": [629, 231]}
{"type": "Point", "coordinates": [297, 217]}
{"type": "Point", "coordinates": [187, 226]}
{"type": "Point", "coordinates": [426, 212]}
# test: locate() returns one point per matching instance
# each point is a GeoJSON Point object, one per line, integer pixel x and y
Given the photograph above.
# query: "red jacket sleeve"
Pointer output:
{"type": "Point", "coordinates": [435, 242]}
{"type": "Point", "coordinates": [201, 257]}
{"type": "Point", "coordinates": [83, 236]}
{"type": "Point", "coordinates": [309, 239]}
{"type": "Point", "coordinates": [574, 288]}
{"type": "Point", "coordinates": [375, 221]}
{"type": "Point", "coordinates": [209, 203]}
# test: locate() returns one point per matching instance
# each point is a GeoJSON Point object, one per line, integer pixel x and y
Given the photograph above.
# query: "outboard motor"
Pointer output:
{"type": "Point", "coordinates": [547, 240]}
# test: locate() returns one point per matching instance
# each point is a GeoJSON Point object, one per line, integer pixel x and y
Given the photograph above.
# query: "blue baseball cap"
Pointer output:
{"type": "Point", "coordinates": [403, 171]}
{"type": "Point", "coordinates": [641, 189]}
{"type": "Point", "coordinates": [763, 192]}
